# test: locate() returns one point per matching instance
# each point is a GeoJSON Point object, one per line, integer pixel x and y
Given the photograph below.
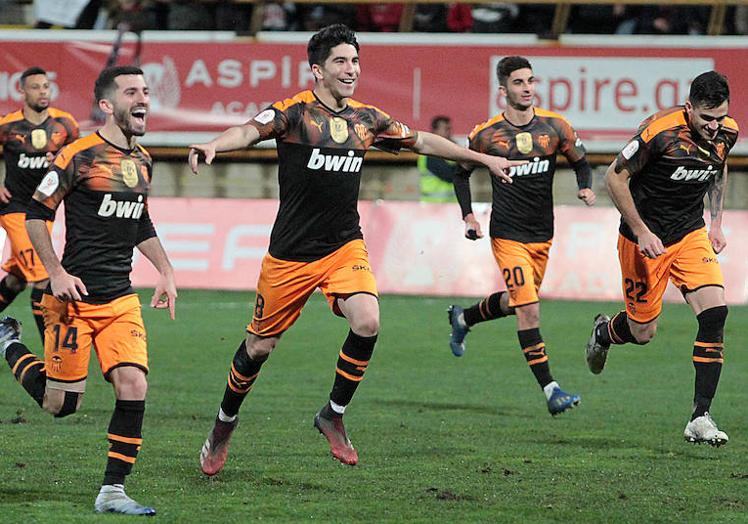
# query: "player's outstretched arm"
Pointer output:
{"type": "Point", "coordinates": [716, 202]}
{"type": "Point", "coordinates": [435, 145]}
{"type": "Point", "coordinates": [238, 137]}
{"type": "Point", "coordinates": [165, 294]}
{"type": "Point", "coordinates": [618, 187]}
{"type": "Point", "coordinates": [64, 285]}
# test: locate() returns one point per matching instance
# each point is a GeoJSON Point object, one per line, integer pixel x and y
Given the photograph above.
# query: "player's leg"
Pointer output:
{"type": "Point", "coordinates": [10, 286]}
{"type": "Point", "coordinates": [644, 281]}
{"type": "Point", "coordinates": [461, 319]}
{"type": "Point", "coordinates": [120, 341]}
{"type": "Point", "coordinates": [282, 290]}
{"type": "Point", "coordinates": [351, 291]}
{"type": "Point", "coordinates": [37, 293]}
{"type": "Point", "coordinates": [697, 272]}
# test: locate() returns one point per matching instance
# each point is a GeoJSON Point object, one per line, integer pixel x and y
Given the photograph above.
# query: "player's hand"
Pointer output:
{"type": "Point", "coordinates": [208, 151]}
{"type": "Point", "coordinates": [717, 238]}
{"type": "Point", "coordinates": [650, 245]}
{"type": "Point", "coordinates": [66, 287]}
{"type": "Point", "coordinates": [587, 196]}
{"type": "Point", "coordinates": [500, 167]}
{"type": "Point", "coordinates": [4, 195]}
{"type": "Point", "coordinates": [472, 228]}
{"type": "Point", "coordinates": [165, 294]}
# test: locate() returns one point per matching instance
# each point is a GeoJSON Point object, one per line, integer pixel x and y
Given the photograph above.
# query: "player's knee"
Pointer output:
{"type": "Point", "coordinates": [259, 349]}
{"type": "Point", "coordinates": [644, 333]}
{"type": "Point", "coordinates": [528, 315]}
{"type": "Point", "coordinates": [62, 403]}
{"type": "Point", "coordinates": [367, 326]}
{"type": "Point", "coordinates": [15, 283]}
{"type": "Point", "coordinates": [712, 322]}
{"type": "Point", "coordinates": [130, 383]}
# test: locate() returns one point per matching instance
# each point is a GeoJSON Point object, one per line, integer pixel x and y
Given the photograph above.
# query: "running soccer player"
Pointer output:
{"type": "Point", "coordinates": [104, 180]}
{"type": "Point", "coordinates": [658, 183]}
{"type": "Point", "coordinates": [521, 216]}
{"type": "Point", "coordinates": [316, 241]}
{"type": "Point", "coordinates": [30, 137]}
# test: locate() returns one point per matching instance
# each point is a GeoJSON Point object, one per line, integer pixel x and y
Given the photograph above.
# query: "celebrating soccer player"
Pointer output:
{"type": "Point", "coordinates": [104, 180]}
{"type": "Point", "coordinates": [521, 216]}
{"type": "Point", "coordinates": [30, 137]}
{"type": "Point", "coordinates": [658, 183]}
{"type": "Point", "coordinates": [316, 241]}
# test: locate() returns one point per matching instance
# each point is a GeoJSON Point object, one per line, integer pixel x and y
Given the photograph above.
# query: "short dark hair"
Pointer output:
{"type": "Point", "coordinates": [105, 83]}
{"type": "Point", "coordinates": [31, 71]}
{"type": "Point", "coordinates": [709, 90]}
{"type": "Point", "coordinates": [325, 39]}
{"type": "Point", "coordinates": [438, 119]}
{"type": "Point", "coordinates": [510, 64]}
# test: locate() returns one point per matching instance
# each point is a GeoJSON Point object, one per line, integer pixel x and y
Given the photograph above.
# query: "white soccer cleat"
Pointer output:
{"type": "Point", "coordinates": [704, 429]}
{"type": "Point", "coordinates": [597, 352]}
{"type": "Point", "coordinates": [10, 332]}
{"type": "Point", "coordinates": [113, 499]}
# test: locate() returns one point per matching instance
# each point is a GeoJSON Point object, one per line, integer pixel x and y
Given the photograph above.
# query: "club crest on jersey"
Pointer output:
{"type": "Point", "coordinates": [721, 150]}
{"type": "Point", "coordinates": [524, 143]}
{"type": "Point", "coordinates": [338, 130]}
{"type": "Point", "coordinates": [39, 138]}
{"type": "Point", "coordinates": [544, 141]}
{"type": "Point", "coordinates": [129, 172]}
{"type": "Point", "coordinates": [361, 132]}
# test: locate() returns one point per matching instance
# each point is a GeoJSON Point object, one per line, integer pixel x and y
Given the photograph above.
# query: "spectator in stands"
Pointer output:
{"type": "Point", "coordinates": [279, 16]}
{"type": "Point", "coordinates": [430, 18]}
{"type": "Point", "coordinates": [383, 18]}
{"type": "Point", "coordinates": [741, 20]}
{"type": "Point", "coordinates": [596, 19]}
{"type": "Point", "coordinates": [314, 17]}
{"type": "Point", "coordinates": [437, 173]}
{"type": "Point", "coordinates": [494, 18]}
{"type": "Point", "coordinates": [665, 20]}
{"type": "Point", "coordinates": [459, 18]}
{"type": "Point", "coordinates": [535, 19]}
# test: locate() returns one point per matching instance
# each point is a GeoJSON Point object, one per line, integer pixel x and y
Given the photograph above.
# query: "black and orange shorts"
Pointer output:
{"type": "Point", "coordinates": [23, 260]}
{"type": "Point", "coordinates": [285, 286]}
{"type": "Point", "coordinates": [115, 329]}
{"type": "Point", "coordinates": [523, 267]}
{"type": "Point", "coordinates": [690, 264]}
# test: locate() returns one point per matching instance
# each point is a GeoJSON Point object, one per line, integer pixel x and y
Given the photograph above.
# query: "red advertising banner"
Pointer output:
{"type": "Point", "coordinates": [414, 248]}
{"type": "Point", "coordinates": [206, 86]}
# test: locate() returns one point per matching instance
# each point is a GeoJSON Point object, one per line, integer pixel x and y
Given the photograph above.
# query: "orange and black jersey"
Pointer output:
{"type": "Point", "coordinates": [105, 190]}
{"type": "Point", "coordinates": [25, 148]}
{"type": "Point", "coordinates": [671, 170]}
{"type": "Point", "coordinates": [320, 154]}
{"type": "Point", "coordinates": [523, 211]}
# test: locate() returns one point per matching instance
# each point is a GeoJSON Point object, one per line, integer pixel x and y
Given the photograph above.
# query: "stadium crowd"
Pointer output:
{"type": "Point", "coordinates": [500, 17]}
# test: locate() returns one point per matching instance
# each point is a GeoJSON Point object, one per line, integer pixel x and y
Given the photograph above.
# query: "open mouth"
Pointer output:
{"type": "Point", "coordinates": [348, 81]}
{"type": "Point", "coordinates": [139, 114]}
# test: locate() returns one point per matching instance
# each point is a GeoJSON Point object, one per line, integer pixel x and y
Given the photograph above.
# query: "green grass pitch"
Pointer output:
{"type": "Point", "coordinates": [440, 439]}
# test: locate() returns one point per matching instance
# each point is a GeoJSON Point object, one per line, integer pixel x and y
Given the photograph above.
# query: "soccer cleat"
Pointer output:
{"type": "Point", "coordinates": [560, 401]}
{"type": "Point", "coordinates": [459, 332]}
{"type": "Point", "coordinates": [113, 499]}
{"type": "Point", "coordinates": [704, 429]}
{"type": "Point", "coordinates": [216, 448]}
{"type": "Point", "coordinates": [597, 352]}
{"type": "Point", "coordinates": [10, 331]}
{"type": "Point", "coordinates": [332, 428]}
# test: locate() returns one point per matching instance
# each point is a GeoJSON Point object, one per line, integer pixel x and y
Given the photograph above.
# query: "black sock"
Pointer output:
{"type": "Point", "coordinates": [487, 309]}
{"type": "Point", "coordinates": [7, 295]}
{"type": "Point", "coordinates": [28, 370]}
{"type": "Point", "coordinates": [617, 331]}
{"type": "Point", "coordinates": [125, 439]}
{"type": "Point", "coordinates": [36, 309]}
{"type": "Point", "coordinates": [242, 376]}
{"type": "Point", "coordinates": [708, 357]}
{"type": "Point", "coordinates": [533, 348]}
{"type": "Point", "coordinates": [353, 360]}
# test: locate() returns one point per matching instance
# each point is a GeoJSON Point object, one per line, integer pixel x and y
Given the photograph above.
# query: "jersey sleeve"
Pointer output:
{"type": "Point", "coordinates": [637, 153]}
{"type": "Point", "coordinates": [393, 135]}
{"type": "Point", "coordinates": [72, 128]}
{"type": "Point", "coordinates": [273, 122]}
{"type": "Point", "coordinates": [569, 145]}
{"type": "Point", "coordinates": [58, 181]}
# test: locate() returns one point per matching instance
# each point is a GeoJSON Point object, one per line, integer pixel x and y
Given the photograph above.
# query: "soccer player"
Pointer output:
{"type": "Point", "coordinates": [436, 174]}
{"type": "Point", "coordinates": [30, 137]}
{"type": "Point", "coordinates": [104, 180]}
{"type": "Point", "coordinates": [521, 216]}
{"type": "Point", "coordinates": [316, 242]}
{"type": "Point", "coordinates": [658, 183]}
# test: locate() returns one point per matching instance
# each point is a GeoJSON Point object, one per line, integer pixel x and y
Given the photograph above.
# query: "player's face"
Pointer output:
{"type": "Point", "coordinates": [131, 103]}
{"type": "Point", "coordinates": [520, 89]}
{"type": "Point", "coordinates": [706, 122]}
{"type": "Point", "coordinates": [339, 74]}
{"type": "Point", "coordinates": [443, 129]}
{"type": "Point", "coordinates": [36, 92]}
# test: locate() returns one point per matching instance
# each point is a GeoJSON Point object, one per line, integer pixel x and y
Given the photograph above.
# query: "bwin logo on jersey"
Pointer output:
{"type": "Point", "coordinates": [347, 163]}
{"type": "Point", "coordinates": [700, 175]}
{"type": "Point", "coordinates": [535, 167]}
{"type": "Point", "coordinates": [121, 208]}
{"type": "Point", "coordinates": [32, 162]}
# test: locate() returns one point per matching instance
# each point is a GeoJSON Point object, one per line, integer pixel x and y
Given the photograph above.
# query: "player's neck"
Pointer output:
{"type": "Point", "coordinates": [113, 134]}
{"type": "Point", "coordinates": [519, 117]}
{"type": "Point", "coordinates": [34, 117]}
{"type": "Point", "coordinates": [327, 98]}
